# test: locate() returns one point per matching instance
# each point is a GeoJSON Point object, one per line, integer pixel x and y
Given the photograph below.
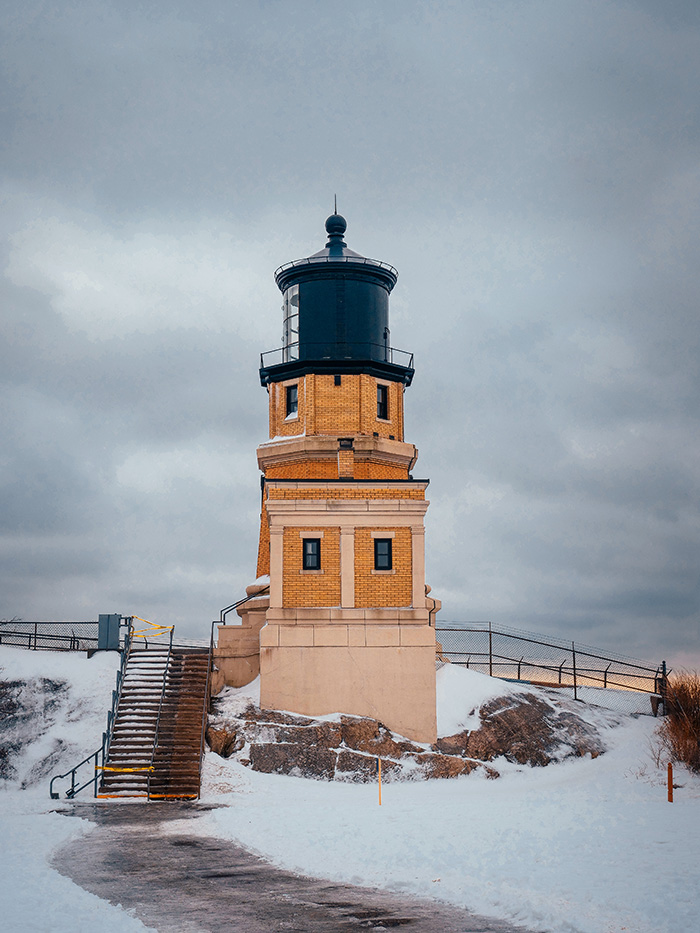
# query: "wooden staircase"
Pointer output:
{"type": "Point", "coordinates": [177, 759]}
{"type": "Point", "coordinates": [155, 747]}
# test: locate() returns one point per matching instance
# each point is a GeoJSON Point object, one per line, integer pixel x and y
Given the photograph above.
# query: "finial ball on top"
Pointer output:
{"type": "Point", "coordinates": [336, 225]}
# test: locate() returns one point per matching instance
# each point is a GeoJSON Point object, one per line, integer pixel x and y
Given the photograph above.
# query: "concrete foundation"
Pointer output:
{"type": "Point", "coordinates": [237, 650]}
{"type": "Point", "coordinates": [371, 662]}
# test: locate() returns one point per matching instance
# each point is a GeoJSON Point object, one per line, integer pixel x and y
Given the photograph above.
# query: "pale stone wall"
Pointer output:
{"type": "Point", "coordinates": [237, 651]}
{"type": "Point", "coordinates": [384, 670]}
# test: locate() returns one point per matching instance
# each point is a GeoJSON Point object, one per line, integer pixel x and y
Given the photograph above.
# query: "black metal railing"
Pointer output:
{"type": "Point", "coordinates": [50, 636]}
{"type": "Point", "coordinates": [513, 654]}
{"type": "Point", "coordinates": [354, 260]}
{"type": "Point", "coordinates": [210, 666]}
{"type": "Point", "coordinates": [376, 352]}
{"type": "Point", "coordinates": [99, 756]}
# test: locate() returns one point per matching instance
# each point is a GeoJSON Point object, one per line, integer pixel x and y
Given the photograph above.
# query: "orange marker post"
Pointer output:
{"type": "Point", "coordinates": [379, 772]}
{"type": "Point", "coordinates": [670, 782]}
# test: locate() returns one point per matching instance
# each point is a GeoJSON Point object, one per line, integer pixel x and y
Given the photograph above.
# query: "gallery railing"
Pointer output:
{"type": "Point", "coordinates": [376, 352]}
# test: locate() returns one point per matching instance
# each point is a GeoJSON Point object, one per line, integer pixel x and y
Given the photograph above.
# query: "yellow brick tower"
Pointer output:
{"type": "Point", "coordinates": [348, 626]}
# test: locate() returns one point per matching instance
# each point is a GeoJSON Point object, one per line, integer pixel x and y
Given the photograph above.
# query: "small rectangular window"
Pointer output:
{"type": "Point", "coordinates": [336, 380]}
{"type": "Point", "coordinates": [292, 400]}
{"type": "Point", "coordinates": [383, 402]}
{"type": "Point", "coordinates": [312, 553]}
{"type": "Point", "coordinates": [382, 554]}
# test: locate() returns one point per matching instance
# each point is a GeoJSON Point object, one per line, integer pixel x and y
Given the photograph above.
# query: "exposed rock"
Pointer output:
{"type": "Point", "coordinates": [322, 734]}
{"type": "Point", "coordinates": [223, 742]}
{"type": "Point", "coordinates": [289, 758]}
{"type": "Point", "coordinates": [256, 714]}
{"type": "Point", "coordinates": [359, 768]}
{"type": "Point", "coordinates": [443, 766]}
{"type": "Point", "coordinates": [528, 730]}
{"type": "Point", "coordinates": [368, 735]}
{"type": "Point", "coordinates": [453, 744]}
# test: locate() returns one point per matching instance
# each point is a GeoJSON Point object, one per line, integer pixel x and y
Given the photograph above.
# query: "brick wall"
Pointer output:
{"type": "Point", "coordinates": [307, 469]}
{"type": "Point", "coordinates": [263, 544]}
{"type": "Point", "coordinates": [326, 408]}
{"type": "Point", "coordinates": [394, 588]}
{"type": "Point", "coordinates": [328, 469]}
{"type": "Point", "coordinates": [304, 469]}
{"type": "Point", "coordinates": [348, 492]}
{"type": "Point", "coordinates": [279, 425]}
{"type": "Point", "coordinates": [379, 469]}
{"type": "Point", "coordinates": [311, 588]}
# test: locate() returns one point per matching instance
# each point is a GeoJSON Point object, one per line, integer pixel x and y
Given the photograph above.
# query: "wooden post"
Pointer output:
{"type": "Point", "coordinates": [670, 782]}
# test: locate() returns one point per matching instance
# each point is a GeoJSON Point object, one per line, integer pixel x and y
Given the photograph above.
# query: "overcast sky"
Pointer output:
{"type": "Point", "coordinates": [532, 170]}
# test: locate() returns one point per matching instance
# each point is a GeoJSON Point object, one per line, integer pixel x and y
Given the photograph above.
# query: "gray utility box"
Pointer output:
{"type": "Point", "coordinates": [108, 632]}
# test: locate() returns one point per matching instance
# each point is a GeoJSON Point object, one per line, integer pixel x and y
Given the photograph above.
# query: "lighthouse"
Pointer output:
{"type": "Point", "coordinates": [348, 625]}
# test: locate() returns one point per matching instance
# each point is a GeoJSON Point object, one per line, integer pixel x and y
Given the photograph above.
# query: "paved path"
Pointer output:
{"type": "Point", "coordinates": [184, 883]}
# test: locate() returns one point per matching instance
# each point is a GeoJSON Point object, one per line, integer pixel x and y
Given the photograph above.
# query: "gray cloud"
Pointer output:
{"type": "Point", "coordinates": [530, 168]}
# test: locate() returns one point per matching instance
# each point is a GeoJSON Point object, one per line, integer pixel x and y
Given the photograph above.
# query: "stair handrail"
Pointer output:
{"type": "Point", "coordinates": [116, 694]}
{"type": "Point", "coordinates": [160, 709]}
{"type": "Point", "coordinates": [73, 774]}
{"type": "Point", "coordinates": [103, 750]}
{"type": "Point", "coordinates": [210, 664]}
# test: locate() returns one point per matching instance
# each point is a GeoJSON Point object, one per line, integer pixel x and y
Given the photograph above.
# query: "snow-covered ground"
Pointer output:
{"type": "Point", "coordinates": [58, 727]}
{"type": "Point", "coordinates": [584, 846]}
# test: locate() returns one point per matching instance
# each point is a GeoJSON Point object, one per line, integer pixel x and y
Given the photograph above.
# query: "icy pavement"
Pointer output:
{"type": "Point", "coordinates": [180, 882]}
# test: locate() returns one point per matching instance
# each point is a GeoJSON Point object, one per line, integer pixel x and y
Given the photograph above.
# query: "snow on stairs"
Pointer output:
{"type": "Point", "coordinates": [171, 758]}
{"type": "Point", "coordinates": [177, 757]}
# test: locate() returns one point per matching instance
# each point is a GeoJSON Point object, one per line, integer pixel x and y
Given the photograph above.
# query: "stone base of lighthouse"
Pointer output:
{"type": "Point", "coordinates": [347, 637]}
{"type": "Point", "coordinates": [376, 663]}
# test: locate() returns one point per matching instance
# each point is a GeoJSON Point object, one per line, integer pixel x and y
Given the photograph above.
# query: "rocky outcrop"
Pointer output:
{"type": "Point", "coordinates": [525, 728]}
{"type": "Point", "coordinates": [27, 712]}
{"type": "Point", "coordinates": [347, 750]}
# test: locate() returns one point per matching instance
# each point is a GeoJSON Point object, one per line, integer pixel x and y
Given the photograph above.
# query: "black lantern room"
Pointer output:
{"type": "Point", "coordinates": [336, 316]}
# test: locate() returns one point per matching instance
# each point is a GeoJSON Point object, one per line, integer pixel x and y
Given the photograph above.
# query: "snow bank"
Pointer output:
{"type": "Point", "coordinates": [56, 706]}
{"type": "Point", "coordinates": [52, 729]}
{"type": "Point", "coordinates": [461, 693]}
{"type": "Point", "coordinates": [34, 897]}
{"type": "Point", "coordinates": [585, 846]}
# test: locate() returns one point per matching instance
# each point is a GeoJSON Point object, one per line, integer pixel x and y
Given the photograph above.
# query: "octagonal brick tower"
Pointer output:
{"type": "Point", "coordinates": [349, 625]}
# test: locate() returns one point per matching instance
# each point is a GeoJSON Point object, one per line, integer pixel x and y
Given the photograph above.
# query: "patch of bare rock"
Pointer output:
{"type": "Point", "coordinates": [523, 728]}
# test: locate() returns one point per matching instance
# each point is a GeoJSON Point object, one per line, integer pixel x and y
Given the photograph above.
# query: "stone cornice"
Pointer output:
{"type": "Point", "coordinates": [325, 447]}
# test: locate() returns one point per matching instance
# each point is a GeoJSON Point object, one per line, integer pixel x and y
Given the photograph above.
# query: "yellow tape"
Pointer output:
{"type": "Point", "coordinates": [155, 629]}
{"type": "Point", "coordinates": [125, 770]}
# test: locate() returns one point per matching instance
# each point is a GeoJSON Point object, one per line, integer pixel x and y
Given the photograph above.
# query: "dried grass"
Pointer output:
{"type": "Point", "coordinates": [680, 730]}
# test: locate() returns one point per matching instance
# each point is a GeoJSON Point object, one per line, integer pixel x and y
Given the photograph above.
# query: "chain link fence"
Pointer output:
{"type": "Point", "coordinates": [585, 673]}
{"type": "Point", "coordinates": [54, 636]}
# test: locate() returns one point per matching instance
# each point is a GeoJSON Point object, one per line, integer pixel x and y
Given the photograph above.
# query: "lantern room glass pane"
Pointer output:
{"type": "Point", "coordinates": [290, 332]}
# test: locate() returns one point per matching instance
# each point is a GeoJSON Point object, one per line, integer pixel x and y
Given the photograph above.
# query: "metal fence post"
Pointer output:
{"type": "Point", "coordinates": [490, 651]}
{"type": "Point", "coordinates": [573, 655]}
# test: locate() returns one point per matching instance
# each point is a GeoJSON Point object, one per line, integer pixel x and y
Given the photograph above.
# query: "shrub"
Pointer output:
{"type": "Point", "coordinates": [680, 730]}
